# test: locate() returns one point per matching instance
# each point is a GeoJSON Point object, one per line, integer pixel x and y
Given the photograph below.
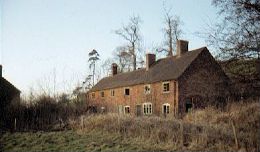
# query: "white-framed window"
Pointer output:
{"type": "Point", "coordinates": [166, 108]}
{"type": "Point", "coordinates": [93, 95]}
{"type": "Point", "coordinates": [126, 109]}
{"type": "Point", "coordinates": [166, 87]}
{"type": "Point", "coordinates": [112, 93]}
{"type": "Point", "coordinates": [102, 94]}
{"type": "Point", "coordinates": [147, 89]}
{"type": "Point", "coordinates": [147, 108]}
{"type": "Point", "coordinates": [127, 91]}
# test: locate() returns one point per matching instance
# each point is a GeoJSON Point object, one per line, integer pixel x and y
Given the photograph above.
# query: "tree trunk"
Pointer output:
{"type": "Point", "coordinates": [93, 74]}
{"type": "Point", "coordinates": [170, 37]}
{"type": "Point", "coordinates": [134, 56]}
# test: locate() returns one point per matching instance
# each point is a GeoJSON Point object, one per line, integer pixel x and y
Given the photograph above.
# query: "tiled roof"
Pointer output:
{"type": "Point", "coordinates": [169, 68]}
{"type": "Point", "coordinates": [6, 88]}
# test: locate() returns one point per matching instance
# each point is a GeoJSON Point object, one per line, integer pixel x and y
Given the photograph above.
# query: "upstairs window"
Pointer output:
{"type": "Point", "coordinates": [127, 109]}
{"type": "Point", "coordinates": [147, 89]}
{"type": "Point", "coordinates": [102, 94]}
{"type": "Point", "coordinates": [112, 93]}
{"type": "Point", "coordinates": [166, 86]}
{"type": "Point", "coordinates": [93, 95]}
{"type": "Point", "coordinates": [147, 108]}
{"type": "Point", "coordinates": [127, 91]}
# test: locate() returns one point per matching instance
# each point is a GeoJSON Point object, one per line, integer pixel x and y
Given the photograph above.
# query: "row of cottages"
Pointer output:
{"type": "Point", "coordinates": [172, 85]}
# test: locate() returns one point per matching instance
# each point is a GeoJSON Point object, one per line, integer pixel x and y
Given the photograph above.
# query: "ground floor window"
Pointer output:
{"type": "Point", "coordinates": [166, 108]}
{"type": "Point", "coordinates": [147, 108]}
{"type": "Point", "coordinates": [127, 109]}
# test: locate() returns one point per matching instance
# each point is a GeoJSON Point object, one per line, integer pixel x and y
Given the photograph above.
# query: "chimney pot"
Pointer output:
{"type": "Point", "coordinates": [114, 69]}
{"type": "Point", "coordinates": [182, 47]}
{"type": "Point", "coordinates": [150, 59]}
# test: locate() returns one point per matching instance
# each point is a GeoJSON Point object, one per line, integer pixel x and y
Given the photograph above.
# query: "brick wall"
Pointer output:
{"type": "Point", "coordinates": [204, 81]}
{"type": "Point", "coordinates": [137, 97]}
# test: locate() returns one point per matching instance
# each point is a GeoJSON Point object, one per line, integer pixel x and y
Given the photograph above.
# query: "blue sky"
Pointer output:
{"type": "Point", "coordinates": [47, 41]}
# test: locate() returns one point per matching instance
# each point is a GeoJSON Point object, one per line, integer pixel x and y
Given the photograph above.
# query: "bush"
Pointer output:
{"type": "Point", "coordinates": [43, 113]}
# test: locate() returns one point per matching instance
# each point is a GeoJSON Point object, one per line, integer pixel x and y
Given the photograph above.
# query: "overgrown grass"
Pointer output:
{"type": "Point", "coordinates": [203, 130]}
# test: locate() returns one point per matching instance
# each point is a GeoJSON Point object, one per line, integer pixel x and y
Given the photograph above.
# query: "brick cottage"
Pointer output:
{"type": "Point", "coordinates": [168, 86]}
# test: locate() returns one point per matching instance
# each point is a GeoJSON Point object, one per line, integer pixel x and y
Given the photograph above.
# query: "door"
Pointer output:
{"type": "Point", "coordinates": [188, 105]}
{"type": "Point", "coordinates": [120, 109]}
{"type": "Point", "coordinates": [138, 110]}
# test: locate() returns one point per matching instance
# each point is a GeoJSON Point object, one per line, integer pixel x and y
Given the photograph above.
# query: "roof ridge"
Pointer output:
{"type": "Point", "coordinates": [168, 68]}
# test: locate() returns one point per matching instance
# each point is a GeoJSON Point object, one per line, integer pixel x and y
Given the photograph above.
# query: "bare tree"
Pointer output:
{"type": "Point", "coordinates": [93, 58]}
{"type": "Point", "coordinates": [123, 58]}
{"type": "Point", "coordinates": [172, 32]}
{"type": "Point", "coordinates": [238, 35]}
{"type": "Point", "coordinates": [131, 33]}
{"type": "Point", "coordinates": [106, 66]}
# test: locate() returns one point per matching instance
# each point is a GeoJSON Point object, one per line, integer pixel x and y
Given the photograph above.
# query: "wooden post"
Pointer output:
{"type": "Point", "coordinates": [14, 124]}
{"type": "Point", "coordinates": [82, 122]}
{"type": "Point", "coordinates": [182, 135]}
{"type": "Point", "coordinates": [235, 133]}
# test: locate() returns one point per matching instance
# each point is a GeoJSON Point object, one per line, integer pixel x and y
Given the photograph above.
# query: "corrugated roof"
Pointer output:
{"type": "Point", "coordinates": [169, 68]}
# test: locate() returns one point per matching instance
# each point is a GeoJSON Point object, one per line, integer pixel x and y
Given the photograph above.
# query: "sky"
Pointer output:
{"type": "Point", "coordinates": [44, 44]}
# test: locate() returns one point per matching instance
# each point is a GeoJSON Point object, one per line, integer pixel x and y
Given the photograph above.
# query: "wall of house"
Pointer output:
{"type": "Point", "coordinates": [137, 97]}
{"type": "Point", "coordinates": [204, 82]}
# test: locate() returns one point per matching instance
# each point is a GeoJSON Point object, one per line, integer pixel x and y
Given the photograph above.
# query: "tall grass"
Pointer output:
{"type": "Point", "coordinates": [207, 129]}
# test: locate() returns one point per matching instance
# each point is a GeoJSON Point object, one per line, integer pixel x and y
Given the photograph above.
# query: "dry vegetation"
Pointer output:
{"type": "Point", "coordinates": [209, 130]}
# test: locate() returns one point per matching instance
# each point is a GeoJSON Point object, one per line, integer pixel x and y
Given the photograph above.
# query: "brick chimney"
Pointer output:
{"type": "Point", "coordinates": [114, 69]}
{"type": "Point", "coordinates": [150, 59]}
{"type": "Point", "coordinates": [182, 47]}
{"type": "Point", "coordinates": [1, 71]}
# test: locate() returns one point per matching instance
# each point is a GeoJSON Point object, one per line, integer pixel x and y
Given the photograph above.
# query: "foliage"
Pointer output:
{"type": "Point", "coordinates": [43, 113]}
{"type": "Point", "coordinates": [93, 58]}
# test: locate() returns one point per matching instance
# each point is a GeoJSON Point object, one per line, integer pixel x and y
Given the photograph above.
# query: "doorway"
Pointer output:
{"type": "Point", "coordinates": [138, 110]}
{"type": "Point", "coordinates": [188, 105]}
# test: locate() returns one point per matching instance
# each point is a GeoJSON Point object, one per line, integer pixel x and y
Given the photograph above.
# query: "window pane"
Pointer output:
{"type": "Point", "coordinates": [127, 91]}
{"type": "Point", "coordinates": [166, 87]}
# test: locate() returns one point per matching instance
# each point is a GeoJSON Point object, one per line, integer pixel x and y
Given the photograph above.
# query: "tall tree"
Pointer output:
{"type": "Point", "coordinates": [238, 35]}
{"type": "Point", "coordinates": [106, 66]}
{"type": "Point", "coordinates": [87, 83]}
{"type": "Point", "coordinates": [93, 58]}
{"type": "Point", "coordinates": [131, 33]}
{"type": "Point", "coordinates": [172, 31]}
{"type": "Point", "coordinates": [123, 58]}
